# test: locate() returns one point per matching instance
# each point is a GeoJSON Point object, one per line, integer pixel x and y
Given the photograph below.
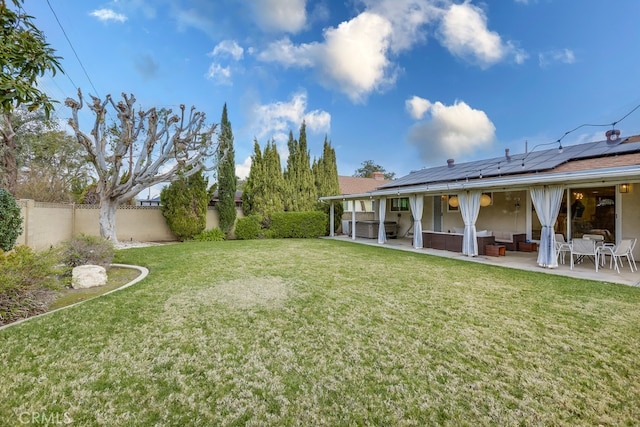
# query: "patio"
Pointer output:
{"type": "Point", "coordinates": [515, 259]}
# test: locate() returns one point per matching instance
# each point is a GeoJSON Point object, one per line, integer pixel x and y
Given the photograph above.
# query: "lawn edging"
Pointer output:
{"type": "Point", "coordinates": [144, 272]}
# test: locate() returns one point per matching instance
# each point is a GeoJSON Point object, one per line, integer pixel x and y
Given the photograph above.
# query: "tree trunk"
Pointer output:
{"type": "Point", "coordinates": [8, 162]}
{"type": "Point", "coordinates": [108, 209]}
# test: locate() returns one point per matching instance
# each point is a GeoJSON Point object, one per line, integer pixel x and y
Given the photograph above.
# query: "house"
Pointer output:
{"type": "Point", "coordinates": [358, 185]}
{"type": "Point", "coordinates": [237, 198]}
{"type": "Point", "coordinates": [214, 200]}
{"type": "Point", "coordinates": [585, 188]}
{"type": "Point", "coordinates": [150, 202]}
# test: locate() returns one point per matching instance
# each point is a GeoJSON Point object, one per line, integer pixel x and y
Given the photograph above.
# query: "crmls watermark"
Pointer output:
{"type": "Point", "coordinates": [44, 418]}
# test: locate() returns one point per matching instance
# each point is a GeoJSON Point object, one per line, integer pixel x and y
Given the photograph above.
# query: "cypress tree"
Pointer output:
{"type": "Point", "coordinates": [226, 176]}
{"type": "Point", "coordinates": [301, 195]}
{"type": "Point", "coordinates": [263, 193]}
{"type": "Point", "coordinates": [252, 186]}
{"type": "Point", "coordinates": [326, 178]}
{"type": "Point", "coordinates": [274, 181]}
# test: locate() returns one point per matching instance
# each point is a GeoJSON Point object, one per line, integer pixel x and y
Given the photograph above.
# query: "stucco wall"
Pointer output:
{"type": "Point", "coordinates": [45, 224]}
{"type": "Point", "coordinates": [630, 217]}
{"type": "Point", "coordinates": [49, 224]}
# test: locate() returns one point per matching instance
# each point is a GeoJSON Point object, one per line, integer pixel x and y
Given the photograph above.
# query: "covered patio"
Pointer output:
{"type": "Point", "coordinates": [512, 259]}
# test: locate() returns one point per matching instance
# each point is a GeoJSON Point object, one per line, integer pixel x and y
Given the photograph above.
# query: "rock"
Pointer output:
{"type": "Point", "coordinates": [88, 276]}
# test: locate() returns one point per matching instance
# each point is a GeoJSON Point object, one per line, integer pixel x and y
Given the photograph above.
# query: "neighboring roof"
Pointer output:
{"type": "Point", "coordinates": [356, 185]}
{"type": "Point", "coordinates": [602, 154]}
{"type": "Point", "coordinates": [237, 197]}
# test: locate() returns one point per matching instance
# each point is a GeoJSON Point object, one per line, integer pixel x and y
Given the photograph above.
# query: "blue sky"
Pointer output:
{"type": "Point", "coordinates": [405, 83]}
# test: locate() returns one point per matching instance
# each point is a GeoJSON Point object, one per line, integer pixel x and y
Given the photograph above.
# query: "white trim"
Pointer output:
{"type": "Point", "coordinates": [608, 175]}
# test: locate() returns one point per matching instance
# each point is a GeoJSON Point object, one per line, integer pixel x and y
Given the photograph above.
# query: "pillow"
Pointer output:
{"type": "Point", "coordinates": [458, 230]}
{"type": "Point", "coordinates": [484, 233]}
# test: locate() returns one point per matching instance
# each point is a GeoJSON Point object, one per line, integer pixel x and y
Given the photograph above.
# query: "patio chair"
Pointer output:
{"type": "Point", "coordinates": [562, 247]}
{"type": "Point", "coordinates": [583, 248]}
{"type": "Point", "coordinates": [617, 252]}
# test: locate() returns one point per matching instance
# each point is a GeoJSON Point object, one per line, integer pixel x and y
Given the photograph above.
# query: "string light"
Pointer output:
{"type": "Point", "coordinates": [612, 135]}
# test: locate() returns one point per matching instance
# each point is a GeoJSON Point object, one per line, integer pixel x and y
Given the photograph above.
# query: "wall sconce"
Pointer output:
{"type": "Point", "coordinates": [624, 188]}
{"type": "Point", "coordinates": [454, 202]}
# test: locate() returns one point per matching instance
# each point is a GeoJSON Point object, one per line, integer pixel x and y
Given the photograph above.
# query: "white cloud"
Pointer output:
{"type": "Point", "coordinates": [193, 18]}
{"type": "Point", "coordinates": [562, 56]}
{"type": "Point", "coordinates": [230, 48]}
{"type": "Point", "coordinates": [284, 52]}
{"type": "Point", "coordinates": [417, 107]}
{"type": "Point", "coordinates": [357, 56]}
{"type": "Point", "coordinates": [243, 169]}
{"type": "Point", "coordinates": [108, 15]}
{"type": "Point", "coordinates": [451, 131]}
{"type": "Point", "coordinates": [218, 73]}
{"type": "Point", "coordinates": [464, 32]}
{"type": "Point", "coordinates": [352, 58]}
{"type": "Point", "coordinates": [280, 15]}
{"type": "Point", "coordinates": [408, 19]}
{"type": "Point", "coordinates": [273, 121]}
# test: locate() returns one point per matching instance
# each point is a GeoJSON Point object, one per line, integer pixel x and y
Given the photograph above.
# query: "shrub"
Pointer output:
{"type": "Point", "coordinates": [212, 235]}
{"type": "Point", "coordinates": [249, 227]}
{"type": "Point", "coordinates": [184, 205]}
{"type": "Point", "coordinates": [298, 224]}
{"type": "Point", "coordinates": [87, 250]}
{"type": "Point", "coordinates": [10, 221]}
{"type": "Point", "coordinates": [27, 282]}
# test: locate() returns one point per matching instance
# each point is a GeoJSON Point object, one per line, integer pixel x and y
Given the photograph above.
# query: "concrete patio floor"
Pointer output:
{"type": "Point", "coordinates": [518, 260]}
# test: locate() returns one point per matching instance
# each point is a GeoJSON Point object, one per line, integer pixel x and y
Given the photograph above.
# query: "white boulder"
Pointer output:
{"type": "Point", "coordinates": [88, 276]}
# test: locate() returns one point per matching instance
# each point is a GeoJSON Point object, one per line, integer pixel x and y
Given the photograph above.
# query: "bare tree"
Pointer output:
{"type": "Point", "coordinates": [167, 143]}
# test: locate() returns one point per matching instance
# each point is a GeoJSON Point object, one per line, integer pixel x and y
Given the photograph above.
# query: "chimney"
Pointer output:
{"type": "Point", "coordinates": [450, 162]}
{"type": "Point", "coordinates": [612, 135]}
{"type": "Point", "coordinates": [506, 154]}
{"type": "Point", "coordinates": [378, 176]}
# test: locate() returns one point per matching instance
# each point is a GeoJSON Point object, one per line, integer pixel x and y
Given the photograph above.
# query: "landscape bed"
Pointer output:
{"type": "Point", "coordinates": [314, 331]}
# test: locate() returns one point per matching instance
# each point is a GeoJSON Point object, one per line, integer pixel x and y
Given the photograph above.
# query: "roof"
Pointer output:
{"type": "Point", "coordinates": [601, 153]}
{"type": "Point", "coordinates": [357, 185]}
{"type": "Point", "coordinates": [237, 196]}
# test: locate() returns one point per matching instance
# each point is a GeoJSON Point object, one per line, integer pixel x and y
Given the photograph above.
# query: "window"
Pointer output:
{"type": "Point", "coordinates": [400, 204]}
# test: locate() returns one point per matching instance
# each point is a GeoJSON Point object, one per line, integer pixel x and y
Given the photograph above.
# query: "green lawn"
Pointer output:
{"type": "Point", "coordinates": [321, 332]}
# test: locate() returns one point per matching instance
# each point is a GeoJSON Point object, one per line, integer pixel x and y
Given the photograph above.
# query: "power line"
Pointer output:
{"type": "Point", "coordinates": [74, 52]}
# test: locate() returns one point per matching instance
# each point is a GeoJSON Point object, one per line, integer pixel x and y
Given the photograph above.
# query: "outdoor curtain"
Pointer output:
{"type": "Point", "coordinates": [547, 201]}
{"type": "Point", "coordinates": [417, 203]}
{"type": "Point", "coordinates": [382, 234]}
{"type": "Point", "coordinates": [469, 203]}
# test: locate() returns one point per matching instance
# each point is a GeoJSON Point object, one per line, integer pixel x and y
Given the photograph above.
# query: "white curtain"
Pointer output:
{"type": "Point", "coordinates": [382, 234]}
{"type": "Point", "coordinates": [469, 208]}
{"type": "Point", "coordinates": [547, 201]}
{"type": "Point", "coordinates": [417, 203]}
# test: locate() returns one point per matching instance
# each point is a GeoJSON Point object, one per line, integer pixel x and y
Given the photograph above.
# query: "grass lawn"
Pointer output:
{"type": "Point", "coordinates": [117, 277]}
{"type": "Point", "coordinates": [321, 332]}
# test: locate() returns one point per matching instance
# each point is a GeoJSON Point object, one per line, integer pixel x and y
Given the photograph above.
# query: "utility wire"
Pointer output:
{"type": "Point", "coordinates": [74, 51]}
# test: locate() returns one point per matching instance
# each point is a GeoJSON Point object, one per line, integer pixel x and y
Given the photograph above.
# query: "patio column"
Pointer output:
{"type": "Point", "coordinates": [469, 208]}
{"type": "Point", "coordinates": [331, 220]}
{"type": "Point", "coordinates": [353, 220]}
{"type": "Point", "coordinates": [382, 211]}
{"type": "Point", "coordinates": [417, 204]}
{"type": "Point", "coordinates": [547, 201]}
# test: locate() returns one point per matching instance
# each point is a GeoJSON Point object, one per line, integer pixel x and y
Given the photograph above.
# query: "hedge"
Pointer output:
{"type": "Point", "coordinates": [298, 224]}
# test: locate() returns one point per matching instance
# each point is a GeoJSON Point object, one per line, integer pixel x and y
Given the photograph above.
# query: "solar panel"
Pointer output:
{"type": "Point", "coordinates": [534, 161]}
